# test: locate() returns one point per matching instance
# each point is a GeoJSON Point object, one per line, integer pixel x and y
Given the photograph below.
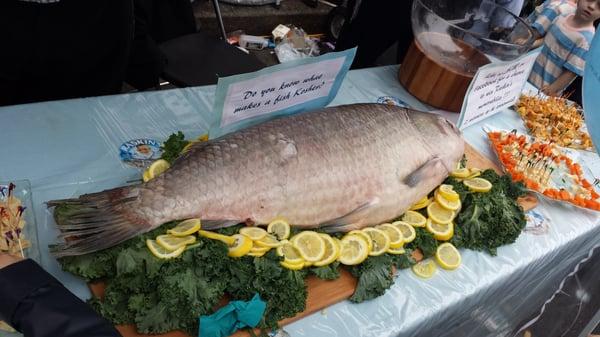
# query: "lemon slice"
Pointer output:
{"type": "Point", "coordinates": [310, 245]}
{"type": "Point", "coordinates": [424, 269]}
{"type": "Point", "coordinates": [448, 192]}
{"type": "Point", "coordinates": [256, 254]}
{"type": "Point", "coordinates": [259, 249]}
{"type": "Point", "coordinates": [421, 204]}
{"type": "Point", "coordinates": [170, 242]}
{"type": "Point", "coordinates": [447, 256]}
{"type": "Point", "coordinates": [447, 204]}
{"type": "Point", "coordinates": [162, 253]}
{"type": "Point", "coordinates": [439, 214]}
{"type": "Point", "coordinates": [474, 172]}
{"type": "Point", "coordinates": [280, 228]}
{"type": "Point", "coordinates": [228, 240]}
{"type": "Point", "coordinates": [331, 251]}
{"type": "Point", "coordinates": [415, 219]}
{"type": "Point", "coordinates": [396, 251]}
{"type": "Point", "coordinates": [460, 173]}
{"type": "Point", "coordinates": [394, 233]}
{"type": "Point", "coordinates": [254, 233]}
{"type": "Point", "coordinates": [289, 252]}
{"type": "Point", "coordinates": [441, 232]}
{"type": "Point", "coordinates": [268, 241]}
{"type": "Point", "coordinates": [408, 231]}
{"type": "Point", "coordinates": [241, 246]}
{"type": "Point", "coordinates": [381, 242]}
{"type": "Point", "coordinates": [478, 185]}
{"type": "Point", "coordinates": [292, 266]}
{"type": "Point", "coordinates": [185, 228]}
{"type": "Point", "coordinates": [354, 250]}
{"type": "Point", "coordinates": [156, 169]}
{"type": "Point", "coordinates": [364, 236]}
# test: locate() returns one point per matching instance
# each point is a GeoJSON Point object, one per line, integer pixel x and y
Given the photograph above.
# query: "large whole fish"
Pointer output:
{"type": "Point", "coordinates": [344, 167]}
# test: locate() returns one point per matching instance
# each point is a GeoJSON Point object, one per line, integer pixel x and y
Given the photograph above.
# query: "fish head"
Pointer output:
{"type": "Point", "coordinates": [440, 135]}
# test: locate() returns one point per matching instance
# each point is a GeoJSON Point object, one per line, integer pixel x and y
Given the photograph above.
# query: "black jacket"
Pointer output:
{"type": "Point", "coordinates": [36, 304]}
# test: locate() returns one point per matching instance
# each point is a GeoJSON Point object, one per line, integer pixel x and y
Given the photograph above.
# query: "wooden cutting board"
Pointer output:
{"type": "Point", "coordinates": [322, 293]}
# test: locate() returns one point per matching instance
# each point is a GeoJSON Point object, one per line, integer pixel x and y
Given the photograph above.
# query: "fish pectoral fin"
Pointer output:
{"type": "Point", "coordinates": [217, 224]}
{"type": "Point", "coordinates": [424, 171]}
{"type": "Point", "coordinates": [354, 217]}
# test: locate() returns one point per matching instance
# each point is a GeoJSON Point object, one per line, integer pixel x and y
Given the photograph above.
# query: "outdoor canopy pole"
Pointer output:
{"type": "Point", "coordinates": [219, 19]}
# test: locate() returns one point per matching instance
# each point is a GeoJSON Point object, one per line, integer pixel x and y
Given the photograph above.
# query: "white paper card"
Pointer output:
{"type": "Point", "coordinates": [495, 87]}
{"type": "Point", "coordinates": [280, 90]}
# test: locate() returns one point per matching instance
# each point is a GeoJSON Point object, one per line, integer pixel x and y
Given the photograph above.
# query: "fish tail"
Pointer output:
{"type": "Point", "coordinates": [96, 221]}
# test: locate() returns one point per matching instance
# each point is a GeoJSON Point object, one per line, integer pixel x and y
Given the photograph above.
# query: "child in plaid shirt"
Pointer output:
{"type": "Point", "coordinates": [566, 41]}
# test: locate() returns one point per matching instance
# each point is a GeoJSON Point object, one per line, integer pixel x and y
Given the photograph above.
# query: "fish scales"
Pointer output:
{"type": "Point", "coordinates": [345, 167]}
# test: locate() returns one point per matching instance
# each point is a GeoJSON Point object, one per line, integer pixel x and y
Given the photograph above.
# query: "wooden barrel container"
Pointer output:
{"type": "Point", "coordinates": [438, 69]}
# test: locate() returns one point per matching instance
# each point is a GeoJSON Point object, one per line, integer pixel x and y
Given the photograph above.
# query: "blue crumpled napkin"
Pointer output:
{"type": "Point", "coordinates": [232, 317]}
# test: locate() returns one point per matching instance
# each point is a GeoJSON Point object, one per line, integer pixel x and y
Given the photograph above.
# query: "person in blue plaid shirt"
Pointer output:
{"type": "Point", "coordinates": [566, 40]}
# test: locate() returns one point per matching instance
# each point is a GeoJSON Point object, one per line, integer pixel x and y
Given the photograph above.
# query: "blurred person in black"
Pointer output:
{"type": "Point", "coordinates": [36, 304]}
{"type": "Point", "coordinates": [374, 26]}
{"type": "Point", "coordinates": [58, 49]}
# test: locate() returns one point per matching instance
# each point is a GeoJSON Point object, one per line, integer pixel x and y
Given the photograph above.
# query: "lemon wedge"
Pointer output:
{"type": "Point", "coordinates": [414, 219]}
{"type": "Point", "coordinates": [185, 228]}
{"type": "Point", "coordinates": [280, 228]}
{"type": "Point", "coordinates": [331, 251]}
{"type": "Point", "coordinates": [460, 173]}
{"type": "Point", "coordinates": [156, 169]}
{"type": "Point", "coordinates": [396, 251]}
{"type": "Point", "coordinates": [292, 266]}
{"type": "Point", "coordinates": [447, 204]}
{"type": "Point", "coordinates": [289, 252]}
{"type": "Point", "coordinates": [310, 245]}
{"type": "Point", "coordinates": [447, 256]}
{"type": "Point", "coordinates": [381, 242]}
{"type": "Point", "coordinates": [394, 233]}
{"type": "Point", "coordinates": [200, 139]}
{"type": "Point", "coordinates": [424, 269]}
{"type": "Point", "coordinates": [254, 233]}
{"type": "Point", "coordinates": [241, 246]}
{"type": "Point", "coordinates": [228, 240]}
{"type": "Point", "coordinates": [478, 185]}
{"type": "Point", "coordinates": [363, 235]}
{"type": "Point", "coordinates": [408, 231]}
{"type": "Point", "coordinates": [162, 253]}
{"type": "Point", "coordinates": [448, 192]}
{"type": "Point", "coordinates": [146, 176]}
{"type": "Point", "coordinates": [269, 241]}
{"type": "Point", "coordinates": [439, 214]}
{"type": "Point", "coordinates": [354, 250]}
{"type": "Point", "coordinates": [170, 242]}
{"type": "Point", "coordinates": [441, 232]}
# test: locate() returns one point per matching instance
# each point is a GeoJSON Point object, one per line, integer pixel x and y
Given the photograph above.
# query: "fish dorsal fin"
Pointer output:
{"type": "Point", "coordinates": [426, 170]}
{"type": "Point", "coordinates": [352, 218]}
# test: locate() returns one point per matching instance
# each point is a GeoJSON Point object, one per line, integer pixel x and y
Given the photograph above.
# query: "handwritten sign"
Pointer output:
{"type": "Point", "coordinates": [495, 87]}
{"type": "Point", "coordinates": [284, 89]}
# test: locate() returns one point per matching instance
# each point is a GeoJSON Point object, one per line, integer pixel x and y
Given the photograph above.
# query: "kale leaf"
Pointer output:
{"type": "Point", "coordinates": [489, 220]}
{"type": "Point", "coordinates": [173, 146]}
